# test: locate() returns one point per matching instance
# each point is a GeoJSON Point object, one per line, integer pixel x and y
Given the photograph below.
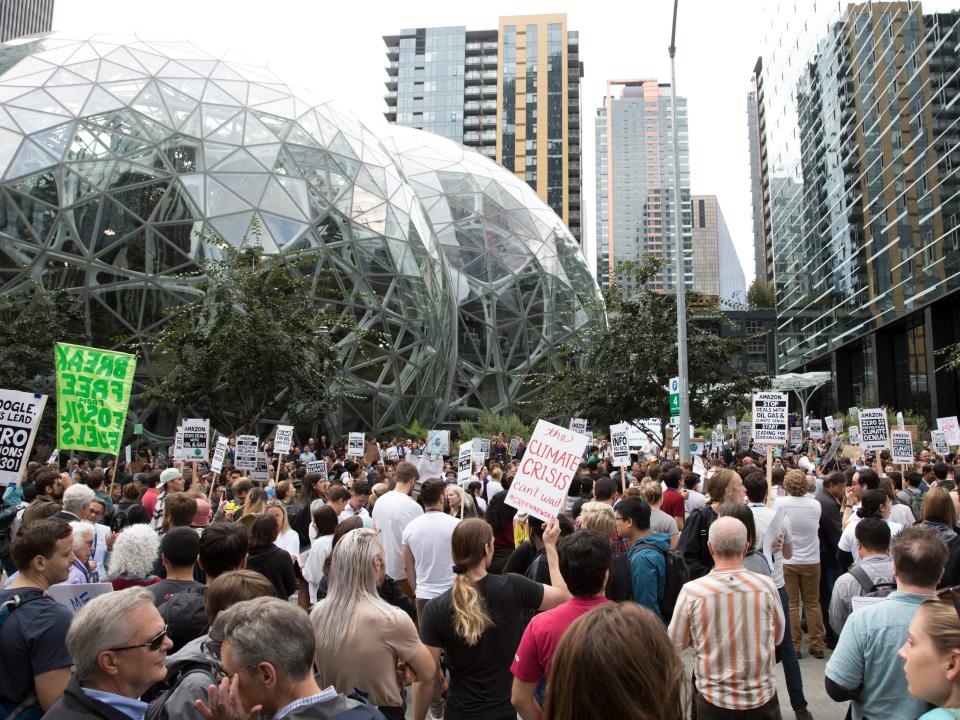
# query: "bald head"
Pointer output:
{"type": "Point", "coordinates": [727, 538]}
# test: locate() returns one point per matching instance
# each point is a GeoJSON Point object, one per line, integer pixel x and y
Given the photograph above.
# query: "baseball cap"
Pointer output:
{"type": "Point", "coordinates": [168, 475]}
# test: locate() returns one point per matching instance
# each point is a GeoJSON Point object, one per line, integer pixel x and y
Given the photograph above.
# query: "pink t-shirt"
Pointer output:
{"type": "Point", "coordinates": [542, 636]}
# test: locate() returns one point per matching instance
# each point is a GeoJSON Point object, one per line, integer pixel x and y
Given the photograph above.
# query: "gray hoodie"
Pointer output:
{"type": "Point", "coordinates": [182, 702]}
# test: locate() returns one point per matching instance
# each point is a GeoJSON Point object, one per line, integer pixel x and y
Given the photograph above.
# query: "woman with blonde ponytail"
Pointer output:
{"type": "Point", "coordinates": [478, 622]}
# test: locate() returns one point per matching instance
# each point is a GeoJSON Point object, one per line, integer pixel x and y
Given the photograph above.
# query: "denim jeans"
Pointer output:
{"type": "Point", "coordinates": [829, 573]}
{"type": "Point", "coordinates": [791, 666]}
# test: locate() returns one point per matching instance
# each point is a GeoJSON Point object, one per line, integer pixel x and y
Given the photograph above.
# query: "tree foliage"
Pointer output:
{"type": "Point", "coordinates": [760, 297]}
{"type": "Point", "coordinates": [951, 357]}
{"type": "Point", "coordinates": [414, 431]}
{"type": "Point", "coordinates": [256, 344]}
{"type": "Point", "coordinates": [486, 425]}
{"type": "Point", "coordinates": [625, 372]}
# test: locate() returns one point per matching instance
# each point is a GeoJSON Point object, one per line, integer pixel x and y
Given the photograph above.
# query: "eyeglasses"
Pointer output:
{"type": "Point", "coordinates": [152, 644]}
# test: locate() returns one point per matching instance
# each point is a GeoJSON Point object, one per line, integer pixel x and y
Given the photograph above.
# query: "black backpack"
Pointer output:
{"type": "Point", "coordinates": [7, 516]}
{"type": "Point", "coordinates": [879, 590]}
{"type": "Point", "coordinates": [676, 576]}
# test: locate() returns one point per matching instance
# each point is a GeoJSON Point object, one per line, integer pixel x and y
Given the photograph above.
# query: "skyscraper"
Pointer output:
{"type": "Point", "coordinates": [863, 144]}
{"type": "Point", "coordinates": [512, 93]}
{"type": "Point", "coordinates": [759, 178]}
{"type": "Point", "coordinates": [24, 17]}
{"type": "Point", "coordinates": [716, 267]}
{"type": "Point", "coordinates": [635, 184]}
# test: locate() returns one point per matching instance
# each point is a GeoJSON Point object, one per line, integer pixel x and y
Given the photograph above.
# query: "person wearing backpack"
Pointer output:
{"type": "Point", "coordinates": [872, 576]}
{"type": "Point", "coordinates": [646, 551]}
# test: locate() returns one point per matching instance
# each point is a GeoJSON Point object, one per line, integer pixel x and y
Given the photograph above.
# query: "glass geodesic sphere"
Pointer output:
{"type": "Point", "coordinates": [522, 286]}
{"type": "Point", "coordinates": [119, 156]}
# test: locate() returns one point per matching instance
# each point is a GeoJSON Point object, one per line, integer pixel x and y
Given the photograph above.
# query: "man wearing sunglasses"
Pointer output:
{"type": "Point", "coordinates": [119, 645]}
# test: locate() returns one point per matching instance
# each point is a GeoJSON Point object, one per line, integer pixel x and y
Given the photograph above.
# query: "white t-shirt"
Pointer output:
{"type": "Point", "coordinates": [349, 512]}
{"type": "Point", "coordinates": [392, 513]}
{"type": "Point", "coordinates": [694, 500]}
{"type": "Point", "coordinates": [762, 517]}
{"type": "Point", "coordinates": [902, 514]}
{"type": "Point", "coordinates": [289, 540]}
{"type": "Point", "coordinates": [804, 515]}
{"type": "Point", "coordinates": [807, 464]}
{"type": "Point", "coordinates": [428, 538]}
{"type": "Point", "coordinates": [493, 487]}
{"type": "Point", "coordinates": [313, 567]}
{"type": "Point", "coordinates": [848, 539]}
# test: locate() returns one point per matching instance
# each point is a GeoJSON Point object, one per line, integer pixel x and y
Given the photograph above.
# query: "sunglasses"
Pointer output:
{"type": "Point", "coordinates": [153, 644]}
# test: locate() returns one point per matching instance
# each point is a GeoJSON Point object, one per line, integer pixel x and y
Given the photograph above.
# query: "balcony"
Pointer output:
{"type": "Point", "coordinates": [489, 74]}
{"type": "Point", "coordinates": [488, 120]}
{"type": "Point", "coordinates": [489, 150]}
{"type": "Point", "coordinates": [391, 83]}
{"type": "Point", "coordinates": [489, 60]}
{"type": "Point", "coordinates": [490, 45]}
{"type": "Point", "coordinates": [471, 108]}
{"type": "Point", "coordinates": [471, 91]}
{"type": "Point", "coordinates": [393, 52]}
{"type": "Point", "coordinates": [391, 97]}
{"type": "Point", "coordinates": [472, 47]}
{"type": "Point", "coordinates": [489, 90]}
{"type": "Point", "coordinates": [472, 77]}
{"type": "Point", "coordinates": [471, 137]}
{"type": "Point", "coordinates": [471, 122]}
{"type": "Point", "coordinates": [489, 136]}
{"type": "Point", "coordinates": [488, 105]}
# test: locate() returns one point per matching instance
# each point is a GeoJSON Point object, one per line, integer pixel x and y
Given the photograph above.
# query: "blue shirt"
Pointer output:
{"type": "Point", "coordinates": [131, 707]}
{"type": "Point", "coordinates": [866, 654]}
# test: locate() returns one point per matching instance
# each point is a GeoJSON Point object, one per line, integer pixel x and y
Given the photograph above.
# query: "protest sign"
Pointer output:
{"type": "Point", "coordinates": [245, 457]}
{"type": "Point", "coordinates": [832, 450]}
{"type": "Point", "coordinates": [619, 446]}
{"type": "Point", "coordinates": [949, 426]}
{"type": "Point", "coordinates": [514, 444]}
{"type": "Point", "coordinates": [796, 436]}
{"type": "Point", "coordinates": [464, 462]}
{"type": "Point", "coordinates": [19, 416]}
{"type": "Point", "coordinates": [854, 433]}
{"type": "Point", "coordinates": [902, 447]}
{"type": "Point", "coordinates": [815, 429]}
{"type": "Point", "coordinates": [828, 421]}
{"type": "Point", "coordinates": [731, 423]}
{"type": "Point", "coordinates": [128, 454]}
{"type": "Point", "coordinates": [549, 465]}
{"type": "Point", "coordinates": [652, 427]}
{"type": "Point", "coordinates": [770, 418]}
{"type": "Point", "coordinates": [940, 445]}
{"type": "Point", "coordinates": [428, 468]}
{"type": "Point", "coordinates": [93, 393]}
{"type": "Point", "coordinates": [282, 439]}
{"type": "Point", "coordinates": [837, 425]}
{"type": "Point", "coordinates": [438, 443]}
{"type": "Point", "coordinates": [392, 453]}
{"type": "Point", "coordinates": [579, 425]}
{"type": "Point", "coordinates": [697, 446]}
{"type": "Point", "coordinates": [874, 433]}
{"type": "Point", "coordinates": [484, 448]}
{"type": "Point", "coordinates": [54, 456]}
{"type": "Point", "coordinates": [699, 468]}
{"type": "Point", "coordinates": [355, 444]}
{"type": "Point", "coordinates": [900, 422]}
{"type": "Point", "coordinates": [219, 453]}
{"type": "Point", "coordinates": [317, 467]}
{"type": "Point", "coordinates": [75, 596]}
{"type": "Point", "coordinates": [634, 436]}
{"type": "Point", "coordinates": [853, 415]}
{"type": "Point", "coordinates": [852, 452]}
{"type": "Point", "coordinates": [744, 434]}
{"type": "Point", "coordinates": [196, 440]}
{"type": "Point", "coordinates": [261, 470]}
{"type": "Point", "coordinates": [178, 444]}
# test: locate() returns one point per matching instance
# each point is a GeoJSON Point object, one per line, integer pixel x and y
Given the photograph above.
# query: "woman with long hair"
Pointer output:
{"type": "Point", "coordinates": [348, 655]}
{"type": "Point", "coordinates": [266, 558]}
{"type": "Point", "coordinates": [287, 538]}
{"type": "Point", "coordinates": [939, 511]}
{"type": "Point", "coordinates": [315, 565]}
{"type": "Point", "coordinates": [873, 503]}
{"type": "Point", "coordinates": [455, 497]}
{"type": "Point", "coordinates": [607, 659]}
{"type": "Point", "coordinates": [931, 655]}
{"type": "Point", "coordinates": [478, 624]}
{"type": "Point", "coordinates": [132, 559]}
{"type": "Point", "coordinates": [254, 506]}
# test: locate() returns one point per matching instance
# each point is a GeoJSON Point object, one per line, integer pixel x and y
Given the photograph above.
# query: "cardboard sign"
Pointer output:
{"type": "Point", "coordinates": [940, 445]}
{"type": "Point", "coordinates": [902, 447]}
{"type": "Point", "coordinates": [619, 445]}
{"type": "Point", "coordinates": [318, 467]}
{"type": "Point", "coordinates": [178, 444]}
{"type": "Point", "coordinates": [75, 596]}
{"type": "Point", "coordinates": [355, 444]}
{"type": "Point", "coordinates": [851, 452]}
{"type": "Point", "coordinates": [770, 418]}
{"type": "Point", "coordinates": [579, 425]}
{"type": "Point", "coordinates": [464, 462]}
{"type": "Point", "coordinates": [261, 471]}
{"type": "Point", "coordinates": [219, 453]}
{"type": "Point", "coordinates": [20, 414]}
{"type": "Point", "coordinates": [549, 465]}
{"type": "Point", "coordinates": [949, 426]}
{"type": "Point", "coordinates": [731, 422]}
{"type": "Point", "coordinates": [93, 394]}
{"type": "Point", "coordinates": [900, 422]}
{"type": "Point", "coordinates": [245, 457]}
{"type": "Point", "coordinates": [438, 442]}
{"type": "Point", "coordinates": [874, 433]}
{"type": "Point", "coordinates": [815, 429]}
{"type": "Point", "coordinates": [796, 436]}
{"type": "Point", "coordinates": [744, 434]}
{"type": "Point", "coordinates": [196, 440]}
{"type": "Point", "coordinates": [854, 433]}
{"type": "Point", "coordinates": [283, 439]}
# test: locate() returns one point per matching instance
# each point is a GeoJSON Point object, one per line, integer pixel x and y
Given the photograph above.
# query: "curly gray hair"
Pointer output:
{"type": "Point", "coordinates": [134, 552]}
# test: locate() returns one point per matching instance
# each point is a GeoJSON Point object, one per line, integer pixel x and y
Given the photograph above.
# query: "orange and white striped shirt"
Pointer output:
{"type": "Point", "coordinates": [732, 619]}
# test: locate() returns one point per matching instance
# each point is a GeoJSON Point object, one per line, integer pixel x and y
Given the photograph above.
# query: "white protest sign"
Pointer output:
{"type": "Point", "coordinates": [261, 472]}
{"type": "Point", "coordinates": [634, 436]}
{"type": "Point", "coordinates": [697, 447]}
{"type": "Point", "coordinates": [128, 454]}
{"type": "Point", "coordinates": [19, 416]}
{"type": "Point", "coordinates": [428, 468]}
{"type": "Point", "coordinates": [874, 433]}
{"type": "Point", "coordinates": [834, 448]}
{"type": "Point", "coordinates": [549, 465]}
{"type": "Point", "coordinates": [899, 423]}
{"type": "Point", "coordinates": [283, 439]}
{"type": "Point", "coordinates": [219, 453]}
{"type": "Point", "coordinates": [837, 425]}
{"type": "Point", "coordinates": [438, 442]}
{"type": "Point", "coordinates": [355, 444]}
{"type": "Point", "coordinates": [854, 433]}
{"type": "Point", "coordinates": [731, 422]}
{"type": "Point", "coordinates": [579, 425]}
{"type": "Point", "coordinates": [514, 444]}
{"type": "Point", "coordinates": [464, 460]}
{"type": "Point", "coordinates": [745, 429]}
{"type": "Point", "coordinates": [392, 453]}
{"type": "Point", "coordinates": [698, 467]}
{"type": "Point", "coordinates": [828, 421]}
{"type": "Point", "coordinates": [75, 596]}
{"type": "Point", "coordinates": [195, 440]}
{"type": "Point", "coordinates": [815, 428]}
{"type": "Point", "coordinates": [619, 446]}
{"type": "Point", "coordinates": [950, 426]}
{"type": "Point", "coordinates": [317, 467]}
{"type": "Point", "coordinates": [653, 427]}
{"type": "Point", "coordinates": [54, 456]}
{"type": "Point", "coordinates": [484, 448]}
{"type": "Point", "coordinates": [940, 445]}
{"type": "Point", "coordinates": [796, 436]}
{"type": "Point", "coordinates": [245, 456]}
{"type": "Point", "coordinates": [178, 444]}
{"type": "Point", "coordinates": [770, 418]}
{"type": "Point", "coordinates": [676, 435]}
{"type": "Point", "coordinates": [853, 415]}
{"type": "Point", "coordinates": [902, 445]}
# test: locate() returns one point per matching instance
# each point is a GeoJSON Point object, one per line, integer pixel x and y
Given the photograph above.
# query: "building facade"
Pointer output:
{"type": "Point", "coordinates": [716, 268]}
{"type": "Point", "coordinates": [512, 93]}
{"type": "Point", "coordinates": [759, 179]}
{"type": "Point", "coordinates": [635, 182]}
{"type": "Point", "coordinates": [861, 139]}
{"type": "Point", "coordinates": [24, 17]}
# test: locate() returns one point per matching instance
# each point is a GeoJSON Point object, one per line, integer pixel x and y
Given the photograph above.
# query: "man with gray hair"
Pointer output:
{"type": "Point", "coordinates": [76, 503]}
{"type": "Point", "coordinates": [119, 644]}
{"type": "Point", "coordinates": [266, 649]}
{"type": "Point", "coordinates": [734, 662]}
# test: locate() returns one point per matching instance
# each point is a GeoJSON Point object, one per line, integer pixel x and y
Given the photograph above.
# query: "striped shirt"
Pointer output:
{"type": "Point", "coordinates": [732, 619]}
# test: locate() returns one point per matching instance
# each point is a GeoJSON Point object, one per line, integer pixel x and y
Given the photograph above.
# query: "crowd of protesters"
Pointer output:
{"type": "Point", "coordinates": [378, 588]}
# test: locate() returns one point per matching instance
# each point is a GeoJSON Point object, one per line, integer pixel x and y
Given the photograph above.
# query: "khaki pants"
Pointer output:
{"type": "Point", "coordinates": [803, 584]}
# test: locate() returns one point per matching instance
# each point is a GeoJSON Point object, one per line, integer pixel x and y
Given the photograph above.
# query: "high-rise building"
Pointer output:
{"type": "Point", "coordinates": [862, 146]}
{"type": "Point", "coordinates": [716, 267]}
{"type": "Point", "coordinates": [759, 179]}
{"type": "Point", "coordinates": [512, 93]}
{"type": "Point", "coordinates": [635, 182]}
{"type": "Point", "coordinates": [24, 17]}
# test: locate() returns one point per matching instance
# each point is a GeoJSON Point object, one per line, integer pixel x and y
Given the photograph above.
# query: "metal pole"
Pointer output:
{"type": "Point", "coordinates": [678, 259]}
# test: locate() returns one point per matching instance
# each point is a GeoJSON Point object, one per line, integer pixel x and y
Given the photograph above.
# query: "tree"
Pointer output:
{"type": "Point", "coordinates": [257, 344]}
{"type": "Point", "coordinates": [624, 373]}
{"type": "Point", "coordinates": [951, 355]}
{"type": "Point", "coordinates": [31, 322]}
{"type": "Point", "coordinates": [760, 297]}
{"type": "Point", "coordinates": [487, 425]}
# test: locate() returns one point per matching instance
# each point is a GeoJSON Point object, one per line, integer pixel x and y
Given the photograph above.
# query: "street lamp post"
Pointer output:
{"type": "Point", "coordinates": [684, 419]}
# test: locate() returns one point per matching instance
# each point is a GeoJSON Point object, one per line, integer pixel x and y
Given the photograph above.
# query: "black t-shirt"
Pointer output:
{"type": "Point", "coordinates": [163, 590]}
{"type": "Point", "coordinates": [480, 679]}
{"type": "Point", "coordinates": [33, 639]}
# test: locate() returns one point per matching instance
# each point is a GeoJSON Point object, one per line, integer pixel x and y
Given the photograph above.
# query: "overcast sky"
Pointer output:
{"type": "Point", "coordinates": [335, 48]}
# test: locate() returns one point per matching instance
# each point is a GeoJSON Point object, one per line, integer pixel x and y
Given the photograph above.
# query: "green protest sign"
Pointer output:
{"type": "Point", "coordinates": [93, 392]}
